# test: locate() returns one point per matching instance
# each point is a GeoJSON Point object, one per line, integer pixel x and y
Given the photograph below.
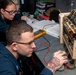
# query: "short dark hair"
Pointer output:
{"type": "Point", "coordinates": [5, 3]}
{"type": "Point", "coordinates": [15, 29]}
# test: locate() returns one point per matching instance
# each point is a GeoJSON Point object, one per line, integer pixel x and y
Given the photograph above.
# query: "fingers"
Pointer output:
{"type": "Point", "coordinates": [61, 55]}
{"type": "Point", "coordinates": [63, 59]}
{"type": "Point", "coordinates": [58, 60]}
{"type": "Point", "coordinates": [23, 18]}
{"type": "Point", "coordinates": [58, 52]}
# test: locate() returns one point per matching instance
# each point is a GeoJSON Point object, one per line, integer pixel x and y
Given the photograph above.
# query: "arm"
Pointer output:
{"type": "Point", "coordinates": [20, 17]}
{"type": "Point", "coordinates": [46, 71]}
{"type": "Point", "coordinates": [55, 63]}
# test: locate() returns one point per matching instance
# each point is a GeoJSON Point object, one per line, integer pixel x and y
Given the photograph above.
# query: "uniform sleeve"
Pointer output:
{"type": "Point", "coordinates": [46, 71]}
{"type": "Point", "coordinates": [18, 18]}
{"type": "Point", "coordinates": [7, 68]}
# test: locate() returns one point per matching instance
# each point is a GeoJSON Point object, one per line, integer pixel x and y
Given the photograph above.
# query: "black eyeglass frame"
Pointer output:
{"type": "Point", "coordinates": [11, 12]}
{"type": "Point", "coordinates": [29, 43]}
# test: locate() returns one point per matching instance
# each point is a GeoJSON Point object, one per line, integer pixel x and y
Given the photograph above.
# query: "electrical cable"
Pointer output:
{"type": "Point", "coordinates": [49, 25]}
{"type": "Point", "coordinates": [36, 50]}
{"type": "Point", "coordinates": [48, 46]}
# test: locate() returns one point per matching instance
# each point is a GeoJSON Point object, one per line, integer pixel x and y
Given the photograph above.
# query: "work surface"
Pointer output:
{"type": "Point", "coordinates": [44, 54]}
{"type": "Point", "coordinates": [46, 25]}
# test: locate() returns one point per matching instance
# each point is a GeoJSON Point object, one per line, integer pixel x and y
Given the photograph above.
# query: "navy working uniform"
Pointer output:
{"type": "Point", "coordinates": [4, 26]}
{"type": "Point", "coordinates": [9, 64]}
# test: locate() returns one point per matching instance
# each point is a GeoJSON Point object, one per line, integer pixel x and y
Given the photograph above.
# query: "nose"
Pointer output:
{"type": "Point", "coordinates": [33, 45]}
{"type": "Point", "coordinates": [13, 14]}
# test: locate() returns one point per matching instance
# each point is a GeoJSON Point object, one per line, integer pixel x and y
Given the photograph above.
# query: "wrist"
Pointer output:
{"type": "Point", "coordinates": [53, 64]}
{"type": "Point", "coordinates": [51, 67]}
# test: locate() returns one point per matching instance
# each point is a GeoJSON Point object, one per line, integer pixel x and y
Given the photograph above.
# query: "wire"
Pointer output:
{"type": "Point", "coordinates": [49, 25]}
{"type": "Point", "coordinates": [45, 55]}
{"type": "Point", "coordinates": [48, 47]}
{"type": "Point", "coordinates": [44, 43]}
{"type": "Point", "coordinates": [36, 50]}
{"type": "Point", "coordinates": [47, 51]}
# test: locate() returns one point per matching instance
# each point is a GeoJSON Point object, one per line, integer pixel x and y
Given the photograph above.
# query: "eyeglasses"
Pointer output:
{"type": "Point", "coordinates": [29, 43]}
{"type": "Point", "coordinates": [11, 12]}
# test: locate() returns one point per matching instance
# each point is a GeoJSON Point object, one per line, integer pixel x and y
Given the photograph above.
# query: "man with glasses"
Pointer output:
{"type": "Point", "coordinates": [20, 42]}
{"type": "Point", "coordinates": [8, 13]}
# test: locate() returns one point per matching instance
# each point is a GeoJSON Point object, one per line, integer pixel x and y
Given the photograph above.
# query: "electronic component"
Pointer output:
{"type": "Point", "coordinates": [69, 33]}
{"type": "Point", "coordinates": [39, 33]}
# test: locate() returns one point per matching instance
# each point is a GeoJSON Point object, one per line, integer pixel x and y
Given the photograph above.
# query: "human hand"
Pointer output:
{"type": "Point", "coordinates": [59, 58]}
{"type": "Point", "coordinates": [23, 17]}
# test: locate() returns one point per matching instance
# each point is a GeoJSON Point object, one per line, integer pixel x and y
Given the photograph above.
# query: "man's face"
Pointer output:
{"type": "Point", "coordinates": [9, 12]}
{"type": "Point", "coordinates": [26, 45]}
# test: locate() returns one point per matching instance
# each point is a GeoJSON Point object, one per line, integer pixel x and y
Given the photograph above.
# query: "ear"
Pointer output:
{"type": "Point", "coordinates": [14, 46]}
{"type": "Point", "coordinates": [2, 10]}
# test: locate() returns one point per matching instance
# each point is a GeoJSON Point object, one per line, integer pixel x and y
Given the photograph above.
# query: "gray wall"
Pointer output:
{"type": "Point", "coordinates": [65, 5]}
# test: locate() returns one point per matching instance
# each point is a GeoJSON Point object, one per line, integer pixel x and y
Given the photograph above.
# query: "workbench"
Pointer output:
{"type": "Point", "coordinates": [54, 46]}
